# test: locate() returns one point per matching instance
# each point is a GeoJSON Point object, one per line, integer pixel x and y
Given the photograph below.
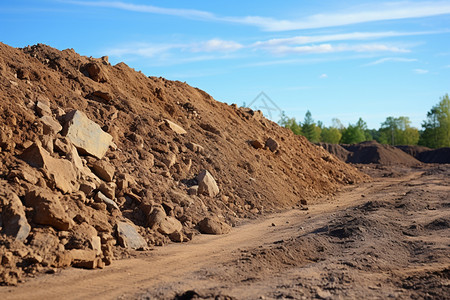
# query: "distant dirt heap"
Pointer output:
{"type": "Point", "coordinates": [97, 160]}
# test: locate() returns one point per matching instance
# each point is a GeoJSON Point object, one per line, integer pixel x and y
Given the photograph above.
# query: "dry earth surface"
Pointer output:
{"type": "Point", "coordinates": [388, 238]}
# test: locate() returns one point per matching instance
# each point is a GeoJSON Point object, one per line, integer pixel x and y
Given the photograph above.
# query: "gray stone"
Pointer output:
{"type": "Point", "coordinates": [14, 221]}
{"type": "Point", "coordinates": [86, 135]}
{"type": "Point", "coordinates": [206, 184]}
{"type": "Point", "coordinates": [128, 236]}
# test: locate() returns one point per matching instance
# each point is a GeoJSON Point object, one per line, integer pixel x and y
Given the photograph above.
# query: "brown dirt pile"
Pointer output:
{"type": "Point", "coordinates": [427, 155]}
{"type": "Point", "coordinates": [98, 160]}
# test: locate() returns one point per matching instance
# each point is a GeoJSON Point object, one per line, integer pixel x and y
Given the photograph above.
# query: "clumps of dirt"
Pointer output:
{"type": "Point", "coordinates": [192, 294]}
{"type": "Point", "coordinates": [98, 161]}
{"type": "Point", "coordinates": [337, 150]}
{"type": "Point", "coordinates": [428, 285]}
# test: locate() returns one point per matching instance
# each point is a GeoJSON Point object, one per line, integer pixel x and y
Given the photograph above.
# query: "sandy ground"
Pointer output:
{"type": "Point", "coordinates": [389, 238]}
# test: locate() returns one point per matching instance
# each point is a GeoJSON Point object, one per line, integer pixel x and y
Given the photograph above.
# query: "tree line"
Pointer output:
{"type": "Point", "coordinates": [435, 131]}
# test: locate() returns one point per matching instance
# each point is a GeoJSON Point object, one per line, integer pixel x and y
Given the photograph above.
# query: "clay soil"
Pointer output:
{"type": "Point", "coordinates": [388, 238]}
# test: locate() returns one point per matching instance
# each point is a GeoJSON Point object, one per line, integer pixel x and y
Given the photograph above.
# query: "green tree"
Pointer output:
{"type": "Point", "coordinates": [436, 129]}
{"type": "Point", "coordinates": [309, 129]}
{"type": "Point", "coordinates": [290, 123]}
{"type": "Point", "coordinates": [356, 133]}
{"type": "Point", "coordinates": [330, 135]}
{"type": "Point", "coordinates": [398, 131]}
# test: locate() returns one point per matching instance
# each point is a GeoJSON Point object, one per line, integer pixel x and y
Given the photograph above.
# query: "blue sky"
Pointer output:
{"type": "Point", "coordinates": [339, 59]}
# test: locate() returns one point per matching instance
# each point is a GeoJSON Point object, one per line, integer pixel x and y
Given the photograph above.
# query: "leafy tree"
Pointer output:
{"type": "Point", "coordinates": [356, 133]}
{"type": "Point", "coordinates": [436, 129]}
{"type": "Point", "coordinates": [330, 135]}
{"type": "Point", "coordinates": [290, 123]}
{"type": "Point", "coordinates": [397, 131]}
{"type": "Point", "coordinates": [309, 129]}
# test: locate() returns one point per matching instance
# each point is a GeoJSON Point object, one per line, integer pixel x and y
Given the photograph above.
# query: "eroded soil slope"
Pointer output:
{"type": "Point", "coordinates": [95, 156]}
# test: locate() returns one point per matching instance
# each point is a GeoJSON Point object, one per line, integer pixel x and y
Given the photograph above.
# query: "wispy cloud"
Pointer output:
{"type": "Point", "coordinates": [355, 15]}
{"type": "Point", "coordinates": [390, 59]}
{"type": "Point", "coordinates": [301, 40]}
{"type": "Point", "coordinates": [323, 76]}
{"type": "Point", "coordinates": [420, 71]}
{"type": "Point", "coordinates": [217, 45]}
{"type": "Point", "coordinates": [329, 48]}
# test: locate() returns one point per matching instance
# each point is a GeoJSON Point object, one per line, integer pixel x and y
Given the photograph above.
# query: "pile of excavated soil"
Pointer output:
{"type": "Point", "coordinates": [99, 160]}
{"type": "Point", "coordinates": [413, 150]}
{"type": "Point", "coordinates": [371, 152]}
{"type": "Point", "coordinates": [439, 156]}
{"type": "Point", "coordinates": [336, 149]}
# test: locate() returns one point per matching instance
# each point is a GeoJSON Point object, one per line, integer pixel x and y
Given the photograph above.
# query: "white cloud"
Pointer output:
{"type": "Point", "coordinates": [420, 71]}
{"type": "Point", "coordinates": [355, 15]}
{"type": "Point", "coordinates": [328, 48]}
{"type": "Point", "coordinates": [217, 45]}
{"type": "Point", "coordinates": [301, 40]}
{"type": "Point", "coordinates": [390, 59]}
{"type": "Point", "coordinates": [323, 76]}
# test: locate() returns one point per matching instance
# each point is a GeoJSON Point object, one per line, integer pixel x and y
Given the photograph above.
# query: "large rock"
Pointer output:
{"type": "Point", "coordinates": [48, 209]}
{"type": "Point", "coordinates": [13, 219]}
{"type": "Point", "coordinates": [104, 170]}
{"type": "Point", "coordinates": [170, 225]}
{"type": "Point", "coordinates": [175, 127]}
{"type": "Point", "coordinates": [51, 126]}
{"type": "Point", "coordinates": [86, 135]}
{"type": "Point", "coordinates": [206, 184]}
{"type": "Point", "coordinates": [128, 236]}
{"type": "Point", "coordinates": [59, 171]}
{"type": "Point", "coordinates": [213, 226]}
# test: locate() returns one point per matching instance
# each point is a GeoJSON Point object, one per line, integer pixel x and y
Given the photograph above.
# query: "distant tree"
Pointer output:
{"type": "Point", "coordinates": [330, 135]}
{"type": "Point", "coordinates": [309, 129]}
{"type": "Point", "coordinates": [290, 123]}
{"type": "Point", "coordinates": [398, 131]}
{"type": "Point", "coordinates": [356, 133]}
{"type": "Point", "coordinates": [436, 128]}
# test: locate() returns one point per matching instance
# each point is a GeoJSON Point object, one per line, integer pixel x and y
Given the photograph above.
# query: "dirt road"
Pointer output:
{"type": "Point", "coordinates": [387, 238]}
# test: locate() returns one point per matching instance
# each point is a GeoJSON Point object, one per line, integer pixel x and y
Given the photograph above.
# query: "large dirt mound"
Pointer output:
{"type": "Point", "coordinates": [439, 156]}
{"type": "Point", "coordinates": [413, 150]}
{"type": "Point", "coordinates": [372, 152]}
{"type": "Point", "coordinates": [95, 156]}
{"type": "Point", "coordinates": [337, 150]}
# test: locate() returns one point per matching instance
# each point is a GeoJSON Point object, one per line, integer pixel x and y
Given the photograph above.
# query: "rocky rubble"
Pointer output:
{"type": "Point", "coordinates": [98, 161]}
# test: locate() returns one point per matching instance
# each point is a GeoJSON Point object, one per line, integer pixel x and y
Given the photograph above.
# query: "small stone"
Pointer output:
{"type": "Point", "coordinates": [104, 170]}
{"type": "Point", "coordinates": [271, 144]}
{"type": "Point", "coordinates": [256, 144]}
{"type": "Point", "coordinates": [100, 197]}
{"type": "Point", "coordinates": [193, 190]}
{"type": "Point", "coordinates": [175, 128]}
{"type": "Point", "coordinates": [43, 109]}
{"type": "Point", "coordinates": [206, 184]}
{"type": "Point", "coordinates": [195, 147]}
{"type": "Point", "coordinates": [170, 160]}
{"type": "Point", "coordinates": [51, 126]}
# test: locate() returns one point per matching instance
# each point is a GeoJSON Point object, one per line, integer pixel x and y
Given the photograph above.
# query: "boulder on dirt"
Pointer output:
{"type": "Point", "coordinates": [51, 126]}
{"type": "Point", "coordinates": [43, 108]}
{"type": "Point", "coordinates": [207, 184]}
{"type": "Point", "coordinates": [86, 135]}
{"type": "Point", "coordinates": [211, 225]}
{"type": "Point", "coordinates": [104, 170]}
{"type": "Point", "coordinates": [58, 171]}
{"type": "Point", "coordinates": [13, 219]}
{"type": "Point", "coordinates": [128, 237]}
{"type": "Point", "coordinates": [271, 144]}
{"type": "Point", "coordinates": [48, 209]}
{"type": "Point", "coordinates": [95, 72]}
{"type": "Point", "coordinates": [175, 127]}
{"type": "Point", "coordinates": [84, 258]}
{"type": "Point", "coordinates": [170, 225]}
